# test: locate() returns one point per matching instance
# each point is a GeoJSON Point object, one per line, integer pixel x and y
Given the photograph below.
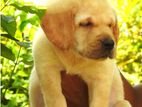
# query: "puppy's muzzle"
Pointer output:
{"type": "Point", "coordinates": [106, 49]}
{"type": "Point", "coordinates": [101, 48]}
{"type": "Point", "coordinates": [107, 44]}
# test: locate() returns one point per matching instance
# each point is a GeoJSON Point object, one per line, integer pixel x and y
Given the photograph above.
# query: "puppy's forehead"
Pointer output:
{"type": "Point", "coordinates": [95, 6]}
{"type": "Point", "coordinates": [96, 9]}
{"type": "Point", "coordinates": [96, 3]}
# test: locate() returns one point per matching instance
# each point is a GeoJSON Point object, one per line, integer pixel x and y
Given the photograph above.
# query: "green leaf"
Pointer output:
{"type": "Point", "coordinates": [41, 12]}
{"type": "Point", "coordinates": [22, 25]}
{"type": "Point", "coordinates": [9, 37]}
{"type": "Point", "coordinates": [12, 102]}
{"type": "Point", "coordinates": [24, 44]}
{"type": "Point", "coordinates": [30, 9]}
{"type": "Point", "coordinates": [26, 9]}
{"type": "Point", "coordinates": [27, 59]}
{"type": "Point", "coordinates": [7, 53]}
{"type": "Point", "coordinates": [8, 23]}
{"type": "Point", "coordinates": [33, 20]}
{"type": "Point", "coordinates": [5, 1]}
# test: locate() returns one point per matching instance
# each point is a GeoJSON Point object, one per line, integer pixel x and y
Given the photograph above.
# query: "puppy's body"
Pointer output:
{"type": "Point", "coordinates": [79, 49]}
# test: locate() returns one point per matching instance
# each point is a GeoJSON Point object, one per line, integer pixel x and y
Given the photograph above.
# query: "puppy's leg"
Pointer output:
{"type": "Point", "coordinates": [99, 92]}
{"type": "Point", "coordinates": [122, 103]}
{"type": "Point", "coordinates": [35, 96]}
{"type": "Point", "coordinates": [99, 81]}
{"type": "Point", "coordinates": [117, 88]}
{"type": "Point", "coordinates": [48, 67]}
{"type": "Point", "coordinates": [50, 83]}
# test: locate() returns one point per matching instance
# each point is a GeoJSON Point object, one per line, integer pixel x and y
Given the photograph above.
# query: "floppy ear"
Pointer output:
{"type": "Point", "coordinates": [59, 28]}
{"type": "Point", "coordinates": [116, 31]}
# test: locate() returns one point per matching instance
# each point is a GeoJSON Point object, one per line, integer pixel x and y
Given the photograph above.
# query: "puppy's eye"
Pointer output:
{"type": "Point", "coordinates": [110, 25]}
{"type": "Point", "coordinates": [86, 24]}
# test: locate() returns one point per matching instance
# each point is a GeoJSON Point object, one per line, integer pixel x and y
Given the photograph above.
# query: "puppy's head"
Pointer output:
{"type": "Point", "coordinates": [87, 26]}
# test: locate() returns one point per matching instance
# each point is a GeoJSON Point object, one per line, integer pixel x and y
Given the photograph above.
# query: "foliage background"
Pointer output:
{"type": "Point", "coordinates": [19, 22]}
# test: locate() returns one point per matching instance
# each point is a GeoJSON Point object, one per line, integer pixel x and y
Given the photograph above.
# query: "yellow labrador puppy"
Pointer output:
{"type": "Point", "coordinates": [80, 36]}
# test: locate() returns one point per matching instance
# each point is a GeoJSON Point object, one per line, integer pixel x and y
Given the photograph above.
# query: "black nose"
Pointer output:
{"type": "Point", "coordinates": [108, 44]}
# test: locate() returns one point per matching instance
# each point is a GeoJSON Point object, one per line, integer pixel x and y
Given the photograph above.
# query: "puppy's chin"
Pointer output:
{"type": "Point", "coordinates": [99, 54]}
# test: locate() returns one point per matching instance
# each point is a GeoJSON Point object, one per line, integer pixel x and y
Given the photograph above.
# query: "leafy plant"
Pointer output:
{"type": "Point", "coordinates": [129, 54]}
{"type": "Point", "coordinates": [19, 22]}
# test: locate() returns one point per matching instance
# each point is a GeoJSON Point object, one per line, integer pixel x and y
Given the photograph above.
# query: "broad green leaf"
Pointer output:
{"type": "Point", "coordinates": [8, 23]}
{"type": "Point", "coordinates": [7, 53]}
{"type": "Point", "coordinates": [30, 9]}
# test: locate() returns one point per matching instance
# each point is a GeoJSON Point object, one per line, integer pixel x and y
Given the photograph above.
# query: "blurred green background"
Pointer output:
{"type": "Point", "coordinates": [19, 22]}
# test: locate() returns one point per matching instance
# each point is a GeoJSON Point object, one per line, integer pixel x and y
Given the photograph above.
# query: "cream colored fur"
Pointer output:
{"type": "Point", "coordinates": [68, 48]}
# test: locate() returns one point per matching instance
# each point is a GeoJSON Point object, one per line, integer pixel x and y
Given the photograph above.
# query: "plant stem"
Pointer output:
{"type": "Point", "coordinates": [14, 68]}
{"type": "Point", "coordinates": [6, 4]}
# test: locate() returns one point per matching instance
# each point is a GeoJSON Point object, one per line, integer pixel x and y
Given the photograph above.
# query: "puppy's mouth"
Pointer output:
{"type": "Point", "coordinates": [99, 54]}
{"type": "Point", "coordinates": [105, 50]}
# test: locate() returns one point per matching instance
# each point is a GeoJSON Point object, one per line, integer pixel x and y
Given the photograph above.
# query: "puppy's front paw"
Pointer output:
{"type": "Point", "coordinates": [122, 103]}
